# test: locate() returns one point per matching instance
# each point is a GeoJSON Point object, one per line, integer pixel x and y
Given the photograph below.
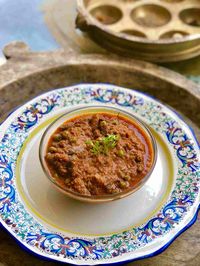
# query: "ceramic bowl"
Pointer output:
{"type": "Point", "coordinates": [94, 110]}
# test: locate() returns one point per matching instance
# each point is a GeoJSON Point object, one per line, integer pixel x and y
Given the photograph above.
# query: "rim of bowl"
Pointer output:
{"type": "Point", "coordinates": [104, 109]}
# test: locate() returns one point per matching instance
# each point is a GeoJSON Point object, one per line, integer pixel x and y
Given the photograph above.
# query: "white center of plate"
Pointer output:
{"type": "Point", "coordinates": [54, 209]}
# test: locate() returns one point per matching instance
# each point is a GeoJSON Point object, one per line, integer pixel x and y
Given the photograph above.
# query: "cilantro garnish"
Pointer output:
{"type": "Point", "coordinates": [103, 145]}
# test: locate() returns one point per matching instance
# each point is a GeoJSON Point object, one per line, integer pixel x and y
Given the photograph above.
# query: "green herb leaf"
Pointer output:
{"type": "Point", "coordinates": [103, 145]}
{"type": "Point", "coordinates": [96, 148]}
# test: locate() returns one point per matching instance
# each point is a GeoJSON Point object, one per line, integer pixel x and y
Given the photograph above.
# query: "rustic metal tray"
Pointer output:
{"type": "Point", "coordinates": [155, 30]}
{"type": "Point", "coordinates": [27, 74]}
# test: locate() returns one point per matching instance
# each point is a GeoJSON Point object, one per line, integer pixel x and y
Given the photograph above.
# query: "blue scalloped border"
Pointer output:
{"type": "Point", "coordinates": [193, 220]}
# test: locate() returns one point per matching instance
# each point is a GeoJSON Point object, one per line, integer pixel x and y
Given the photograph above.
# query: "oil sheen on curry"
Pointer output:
{"type": "Point", "coordinates": [99, 154]}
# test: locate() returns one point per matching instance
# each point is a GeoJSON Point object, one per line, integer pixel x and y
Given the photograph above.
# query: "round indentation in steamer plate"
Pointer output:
{"type": "Point", "coordinates": [134, 33]}
{"type": "Point", "coordinates": [151, 16]}
{"type": "Point", "coordinates": [174, 34]}
{"type": "Point", "coordinates": [191, 16]}
{"type": "Point", "coordinates": [128, 1]}
{"type": "Point", "coordinates": [106, 14]}
{"type": "Point", "coordinates": [172, 1]}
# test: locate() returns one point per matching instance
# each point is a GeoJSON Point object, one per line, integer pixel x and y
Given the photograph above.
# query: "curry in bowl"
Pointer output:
{"type": "Point", "coordinates": [99, 153]}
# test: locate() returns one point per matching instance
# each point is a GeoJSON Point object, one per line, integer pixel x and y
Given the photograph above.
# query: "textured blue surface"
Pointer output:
{"type": "Point", "coordinates": [23, 20]}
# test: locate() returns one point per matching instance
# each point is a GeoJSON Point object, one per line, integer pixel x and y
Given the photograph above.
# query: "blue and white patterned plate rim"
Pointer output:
{"type": "Point", "coordinates": [130, 99]}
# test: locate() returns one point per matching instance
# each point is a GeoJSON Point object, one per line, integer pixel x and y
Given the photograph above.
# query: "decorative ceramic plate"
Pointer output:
{"type": "Point", "coordinates": [56, 227]}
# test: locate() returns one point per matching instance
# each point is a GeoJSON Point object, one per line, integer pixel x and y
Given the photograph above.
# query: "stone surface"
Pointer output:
{"type": "Point", "coordinates": [27, 74]}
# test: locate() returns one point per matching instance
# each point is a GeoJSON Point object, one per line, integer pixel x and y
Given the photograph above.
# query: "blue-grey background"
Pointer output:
{"type": "Point", "coordinates": [23, 20]}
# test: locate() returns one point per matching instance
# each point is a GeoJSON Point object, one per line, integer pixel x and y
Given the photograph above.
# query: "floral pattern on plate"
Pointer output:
{"type": "Point", "coordinates": [182, 199]}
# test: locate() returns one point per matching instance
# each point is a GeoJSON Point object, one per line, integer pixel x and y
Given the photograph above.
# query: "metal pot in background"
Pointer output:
{"type": "Point", "coordinates": [155, 30]}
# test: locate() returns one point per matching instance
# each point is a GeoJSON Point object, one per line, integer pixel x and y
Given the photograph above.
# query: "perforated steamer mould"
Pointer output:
{"type": "Point", "coordinates": [155, 30]}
